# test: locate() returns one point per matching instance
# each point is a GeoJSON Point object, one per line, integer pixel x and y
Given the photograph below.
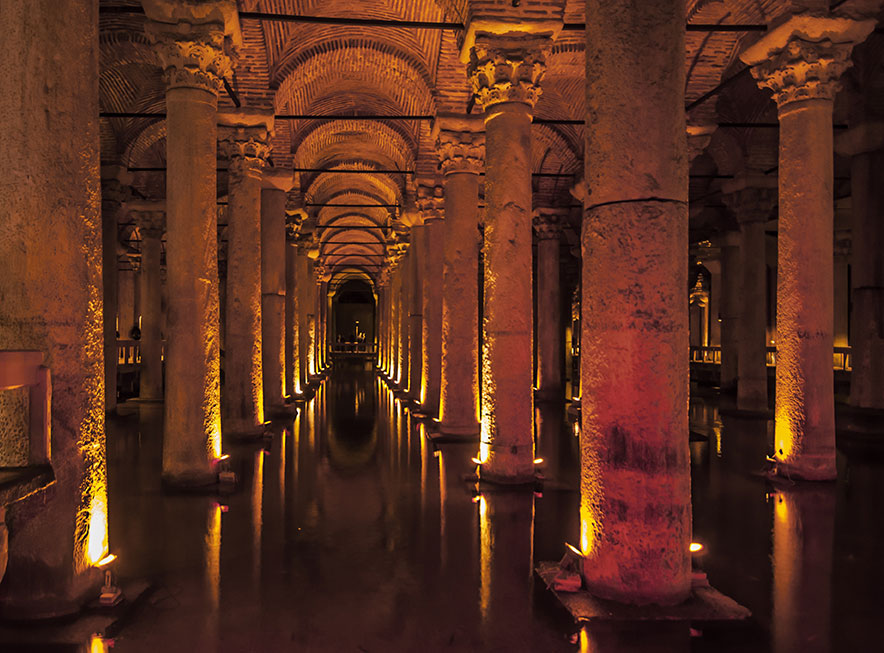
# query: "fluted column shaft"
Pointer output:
{"type": "Point", "coordinates": [804, 78]}
{"type": "Point", "coordinates": [635, 506]}
{"type": "Point", "coordinates": [192, 428]}
{"type": "Point", "coordinates": [461, 148]}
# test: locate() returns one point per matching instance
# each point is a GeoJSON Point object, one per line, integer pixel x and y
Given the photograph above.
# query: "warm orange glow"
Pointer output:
{"type": "Point", "coordinates": [484, 558]}
{"type": "Point", "coordinates": [583, 641]}
{"type": "Point", "coordinates": [476, 460]}
{"type": "Point", "coordinates": [538, 461]}
{"type": "Point", "coordinates": [96, 547]}
{"type": "Point", "coordinates": [696, 547]}
{"type": "Point", "coordinates": [97, 644]}
{"type": "Point", "coordinates": [213, 555]}
{"type": "Point", "coordinates": [257, 514]}
{"type": "Point", "coordinates": [106, 560]}
{"type": "Point", "coordinates": [573, 549]}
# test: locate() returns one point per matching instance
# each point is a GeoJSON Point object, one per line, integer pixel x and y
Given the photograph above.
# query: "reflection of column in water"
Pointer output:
{"type": "Point", "coordinates": [506, 534]}
{"type": "Point", "coordinates": [212, 556]}
{"type": "Point", "coordinates": [803, 537]}
{"type": "Point", "coordinates": [648, 637]}
{"type": "Point", "coordinates": [443, 499]}
{"type": "Point", "coordinates": [257, 517]}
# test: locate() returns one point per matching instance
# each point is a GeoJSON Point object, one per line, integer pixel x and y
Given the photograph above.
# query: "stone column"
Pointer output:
{"type": "Point", "coordinates": [461, 146]}
{"type": "Point", "coordinates": [113, 193]}
{"type": "Point", "coordinates": [245, 142]}
{"type": "Point", "coordinates": [393, 327]}
{"type": "Point", "coordinates": [322, 312]}
{"type": "Point", "coordinates": [310, 317]}
{"type": "Point", "coordinates": [505, 72]}
{"type": "Point", "coordinates": [865, 145]}
{"type": "Point", "coordinates": [431, 336]}
{"type": "Point", "coordinates": [729, 310]}
{"type": "Point", "coordinates": [841, 289]}
{"type": "Point", "coordinates": [273, 196]}
{"type": "Point", "coordinates": [192, 51]}
{"type": "Point", "coordinates": [635, 506]}
{"type": "Point", "coordinates": [752, 201]}
{"type": "Point", "coordinates": [550, 336]}
{"type": "Point", "coordinates": [126, 297]}
{"type": "Point", "coordinates": [151, 218]}
{"type": "Point", "coordinates": [292, 326]}
{"type": "Point", "coordinates": [51, 289]}
{"type": "Point", "coordinates": [801, 61]}
{"type": "Point", "coordinates": [404, 319]}
{"type": "Point", "coordinates": [304, 273]}
{"type": "Point", "coordinates": [381, 322]}
{"type": "Point", "coordinates": [416, 311]}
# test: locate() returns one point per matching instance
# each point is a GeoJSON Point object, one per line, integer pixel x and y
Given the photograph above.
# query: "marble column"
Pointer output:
{"type": "Point", "coordinates": [752, 201]}
{"type": "Point", "coordinates": [292, 324]}
{"type": "Point", "coordinates": [505, 72]}
{"type": "Point", "coordinates": [865, 145]}
{"type": "Point", "coordinates": [729, 310]}
{"type": "Point", "coordinates": [151, 219]}
{"type": "Point", "coordinates": [550, 335]}
{"type": "Point", "coordinates": [193, 55]}
{"type": "Point", "coordinates": [635, 499]}
{"type": "Point", "coordinates": [114, 192]}
{"type": "Point", "coordinates": [393, 327]}
{"type": "Point", "coordinates": [245, 139]}
{"type": "Point", "coordinates": [51, 285]}
{"type": "Point", "coordinates": [276, 185]}
{"type": "Point", "coordinates": [431, 292]}
{"type": "Point", "coordinates": [322, 330]}
{"type": "Point", "coordinates": [461, 146]}
{"type": "Point", "coordinates": [310, 317]}
{"type": "Point", "coordinates": [801, 62]}
{"type": "Point", "coordinates": [304, 274]}
{"type": "Point", "coordinates": [402, 375]}
{"type": "Point", "coordinates": [416, 311]}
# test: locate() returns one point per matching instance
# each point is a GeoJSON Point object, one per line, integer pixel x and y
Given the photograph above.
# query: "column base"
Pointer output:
{"type": "Point", "coordinates": [808, 468]}
{"type": "Point", "coordinates": [506, 479]}
{"type": "Point", "coordinates": [281, 410]}
{"type": "Point", "coordinates": [38, 607]}
{"type": "Point", "coordinates": [204, 481]}
{"type": "Point", "coordinates": [243, 432]}
{"type": "Point", "coordinates": [461, 431]}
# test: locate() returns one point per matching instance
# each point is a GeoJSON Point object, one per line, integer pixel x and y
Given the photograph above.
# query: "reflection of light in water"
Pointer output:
{"type": "Point", "coordinates": [442, 499]}
{"type": "Point", "coordinates": [257, 513]}
{"type": "Point", "coordinates": [213, 556]}
{"type": "Point", "coordinates": [786, 559]}
{"type": "Point", "coordinates": [97, 645]}
{"type": "Point", "coordinates": [583, 641]}
{"type": "Point", "coordinates": [282, 443]}
{"type": "Point", "coordinates": [717, 431]}
{"type": "Point", "coordinates": [96, 547]}
{"type": "Point", "coordinates": [423, 464]}
{"type": "Point", "coordinates": [484, 558]}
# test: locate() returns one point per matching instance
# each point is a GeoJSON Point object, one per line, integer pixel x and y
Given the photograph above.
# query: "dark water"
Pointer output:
{"type": "Point", "coordinates": [350, 531]}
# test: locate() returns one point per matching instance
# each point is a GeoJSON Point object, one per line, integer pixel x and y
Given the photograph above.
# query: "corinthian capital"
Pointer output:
{"type": "Point", "coordinates": [430, 201]}
{"type": "Point", "coordinates": [149, 215]}
{"type": "Point", "coordinates": [507, 69]}
{"type": "Point", "coordinates": [548, 222]}
{"type": "Point", "coordinates": [460, 143]}
{"type": "Point", "coordinates": [804, 58]}
{"type": "Point", "coordinates": [245, 141]}
{"type": "Point", "coordinates": [192, 56]}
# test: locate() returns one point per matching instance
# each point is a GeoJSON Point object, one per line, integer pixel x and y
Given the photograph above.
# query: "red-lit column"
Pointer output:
{"type": "Point", "coordinates": [395, 291]}
{"type": "Point", "coordinates": [801, 61]}
{"type": "Point", "coordinates": [151, 218]}
{"type": "Point", "coordinates": [461, 146]}
{"type": "Point", "coordinates": [635, 504]}
{"type": "Point", "coordinates": [416, 310]}
{"type": "Point", "coordinates": [245, 144]}
{"type": "Point", "coordinates": [550, 336]}
{"type": "Point", "coordinates": [865, 145]}
{"type": "Point", "coordinates": [752, 204]}
{"type": "Point", "coordinates": [276, 185]}
{"type": "Point", "coordinates": [505, 73]}
{"type": "Point", "coordinates": [51, 289]}
{"type": "Point", "coordinates": [193, 57]}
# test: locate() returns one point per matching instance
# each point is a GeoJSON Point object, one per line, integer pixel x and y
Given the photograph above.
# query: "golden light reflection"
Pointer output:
{"type": "Point", "coordinates": [96, 547]}
{"type": "Point", "coordinates": [257, 514]}
{"type": "Point", "coordinates": [485, 545]}
{"type": "Point", "coordinates": [213, 556]}
{"type": "Point", "coordinates": [787, 548]}
{"type": "Point", "coordinates": [97, 644]}
{"type": "Point", "coordinates": [583, 641]}
{"type": "Point", "coordinates": [443, 497]}
{"type": "Point", "coordinates": [696, 547]}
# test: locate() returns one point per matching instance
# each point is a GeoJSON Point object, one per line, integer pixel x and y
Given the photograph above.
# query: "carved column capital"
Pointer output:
{"type": "Point", "coordinates": [699, 137]}
{"type": "Point", "coordinates": [751, 200]}
{"type": "Point", "coordinates": [430, 202]}
{"type": "Point", "coordinates": [149, 216]}
{"type": "Point", "coordinates": [507, 69]}
{"type": "Point", "coordinates": [247, 148]}
{"type": "Point", "coordinates": [192, 56]}
{"type": "Point", "coordinates": [804, 58]}
{"type": "Point", "coordinates": [549, 222]}
{"type": "Point", "coordinates": [460, 143]}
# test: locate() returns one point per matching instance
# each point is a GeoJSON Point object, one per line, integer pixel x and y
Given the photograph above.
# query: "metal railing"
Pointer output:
{"type": "Point", "coordinates": [128, 352]}
{"type": "Point", "coordinates": [712, 356]}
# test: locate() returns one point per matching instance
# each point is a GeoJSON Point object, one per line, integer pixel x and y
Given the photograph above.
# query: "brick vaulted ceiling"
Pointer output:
{"type": "Point", "coordinates": [320, 69]}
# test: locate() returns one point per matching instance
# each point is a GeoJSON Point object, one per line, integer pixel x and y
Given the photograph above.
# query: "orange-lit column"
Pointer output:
{"type": "Point", "coordinates": [550, 335]}
{"type": "Point", "coordinates": [194, 60]}
{"type": "Point", "coordinates": [304, 274]}
{"type": "Point", "coordinates": [505, 75]}
{"type": "Point", "coordinates": [461, 146]}
{"type": "Point", "coordinates": [752, 204]}
{"type": "Point", "coordinates": [292, 325]}
{"type": "Point", "coordinates": [395, 291]}
{"type": "Point", "coordinates": [803, 75]}
{"type": "Point", "coordinates": [404, 320]}
{"type": "Point", "coordinates": [51, 248]}
{"type": "Point", "coordinates": [322, 331]}
{"type": "Point", "coordinates": [245, 144]}
{"type": "Point", "coordinates": [113, 193]}
{"type": "Point", "coordinates": [151, 218]}
{"type": "Point", "coordinates": [273, 197]}
{"type": "Point", "coordinates": [416, 311]}
{"type": "Point", "coordinates": [310, 317]}
{"type": "Point", "coordinates": [635, 503]}
{"type": "Point", "coordinates": [431, 337]}
{"type": "Point", "coordinates": [865, 145]}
